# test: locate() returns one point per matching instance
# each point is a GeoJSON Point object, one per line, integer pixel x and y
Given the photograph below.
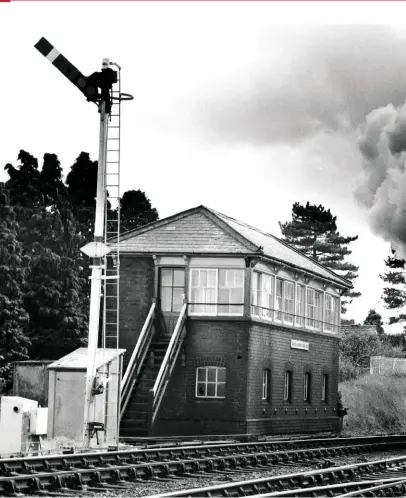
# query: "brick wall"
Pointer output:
{"type": "Point", "coordinates": [208, 343]}
{"type": "Point", "coordinates": [136, 293]}
{"type": "Point", "coordinates": [270, 348]}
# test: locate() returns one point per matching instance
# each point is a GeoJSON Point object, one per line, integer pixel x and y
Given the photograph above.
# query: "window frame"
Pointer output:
{"type": "Point", "coordinates": [332, 326]}
{"type": "Point", "coordinates": [287, 386]}
{"type": "Point", "coordinates": [300, 319]}
{"type": "Point", "coordinates": [266, 385]}
{"type": "Point", "coordinates": [307, 389]}
{"type": "Point", "coordinates": [318, 310]}
{"type": "Point", "coordinates": [172, 270]}
{"type": "Point", "coordinates": [206, 382]}
{"type": "Point", "coordinates": [292, 301]}
{"type": "Point", "coordinates": [306, 304]}
{"type": "Point", "coordinates": [324, 387]}
{"type": "Point", "coordinates": [216, 304]}
{"type": "Point", "coordinates": [278, 311]}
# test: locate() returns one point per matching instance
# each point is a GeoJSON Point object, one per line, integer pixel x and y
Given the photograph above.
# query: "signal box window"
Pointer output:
{"type": "Point", "coordinates": [172, 289]}
{"type": "Point", "coordinates": [210, 382]}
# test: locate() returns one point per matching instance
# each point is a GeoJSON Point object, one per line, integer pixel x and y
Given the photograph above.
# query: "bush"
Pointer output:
{"type": "Point", "coordinates": [349, 371]}
{"type": "Point", "coordinates": [375, 405]}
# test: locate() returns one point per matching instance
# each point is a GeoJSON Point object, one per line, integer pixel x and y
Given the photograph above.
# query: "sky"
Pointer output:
{"type": "Point", "coordinates": [245, 107]}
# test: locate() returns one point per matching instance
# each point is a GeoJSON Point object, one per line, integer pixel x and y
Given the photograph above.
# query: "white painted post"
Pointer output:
{"type": "Point", "coordinates": [95, 289]}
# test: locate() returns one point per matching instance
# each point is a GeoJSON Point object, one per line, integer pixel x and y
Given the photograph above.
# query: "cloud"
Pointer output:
{"type": "Point", "coordinates": [382, 143]}
{"type": "Point", "coordinates": [311, 79]}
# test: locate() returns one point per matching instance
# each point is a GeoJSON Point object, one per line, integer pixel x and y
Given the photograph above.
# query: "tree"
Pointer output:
{"type": "Point", "coordinates": [50, 236]}
{"type": "Point", "coordinates": [136, 210]}
{"type": "Point", "coordinates": [394, 295]}
{"type": "Point", "coordinates": [81, 184]}
{"type": "Point", "coordinates": [374, 318]}
{"type": "Point", "coordinates": [313, 231]}
{"type": "Point", "coordinates": [13, 268]}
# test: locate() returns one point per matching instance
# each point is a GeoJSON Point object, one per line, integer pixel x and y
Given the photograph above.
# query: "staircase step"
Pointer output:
{"type": "Point", "coordinates": [133, 432]}
{"type": "Point", "coordinates": [134, 424]}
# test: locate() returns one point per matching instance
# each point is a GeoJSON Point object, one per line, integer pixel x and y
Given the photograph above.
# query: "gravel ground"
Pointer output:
{"type": "Point", "coordinates": [170, 485]}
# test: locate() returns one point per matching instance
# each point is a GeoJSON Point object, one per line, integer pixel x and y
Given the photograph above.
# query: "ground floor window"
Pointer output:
{"type": "Point", "coordinates": [265, 385]}
{"type": "Point", "coordinates": [210, 382]}
{"type": "Point", "coordinates": [306, 387]}
{"type": "Point", "coordinates": [324, 387]}
{"type": "Point", "coordinates": [287, 390]}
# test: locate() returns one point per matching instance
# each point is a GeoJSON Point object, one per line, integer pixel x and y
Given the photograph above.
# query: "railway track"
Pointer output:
{"type": "Point", "coordinates": [380, 478]}
{"type": "Point", "coordinates": [118, 469]}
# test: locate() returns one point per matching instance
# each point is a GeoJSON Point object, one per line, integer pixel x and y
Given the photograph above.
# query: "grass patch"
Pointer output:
{"type": "Point", "coordinates": [376, 404]}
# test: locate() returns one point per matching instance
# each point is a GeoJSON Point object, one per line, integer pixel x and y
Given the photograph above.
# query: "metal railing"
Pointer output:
{"type": "Point", "coordinates": [157, 392]}
{"type": "Point", "coordinates": [136, 360]}
{"type": "Point", "coordinates": [216, 308]}
{"type": "Point", "coordinates": [293, 320]}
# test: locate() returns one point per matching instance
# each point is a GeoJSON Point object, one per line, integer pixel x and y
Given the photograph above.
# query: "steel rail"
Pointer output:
{"type": "Point", "coordinates": [77, 477]}
{"type": "Point", "coordinates": [399, 485]}
{"type": "Point", "coordinates": [289, 484]}
{"type": "Point", "coordinates": [338, 489]}
{"type": "Point", "coordinates": [44, 462]}
{"type": "Point", "coordinates": [280, 449]}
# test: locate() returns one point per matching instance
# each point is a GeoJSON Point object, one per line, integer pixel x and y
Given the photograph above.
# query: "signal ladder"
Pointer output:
{"type": "Point", "coordinates": [111, 277]}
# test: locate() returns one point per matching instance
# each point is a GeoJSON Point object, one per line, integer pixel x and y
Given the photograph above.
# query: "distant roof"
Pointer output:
{"type": "Point", "coordinates": [369, 329]}
{"type": "Point", "coordinates": [77, 360]}
{"type": "Point", "coordinates": [205, 231]}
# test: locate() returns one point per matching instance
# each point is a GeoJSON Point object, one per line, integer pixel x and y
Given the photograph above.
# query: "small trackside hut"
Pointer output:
{"type": "Point", "coordinates": [227, 330]}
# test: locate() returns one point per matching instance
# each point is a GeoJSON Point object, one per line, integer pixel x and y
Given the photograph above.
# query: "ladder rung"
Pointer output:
{"type": "Point", "coordinates": [112, 162]}
{"type": "Point", "coordinates": [113, 138]}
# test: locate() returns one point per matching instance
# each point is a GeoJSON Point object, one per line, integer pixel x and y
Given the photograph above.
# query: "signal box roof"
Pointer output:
{"type": "Point", "coordinates": [205, 232]}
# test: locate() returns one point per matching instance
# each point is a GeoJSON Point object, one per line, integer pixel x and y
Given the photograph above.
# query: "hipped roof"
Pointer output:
{"type": "Point", "coordinates": [204, 231]}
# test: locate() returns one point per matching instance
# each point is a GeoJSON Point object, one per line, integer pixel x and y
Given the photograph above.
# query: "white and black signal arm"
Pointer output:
{"type": "Point", "coordinates": [95, 88]}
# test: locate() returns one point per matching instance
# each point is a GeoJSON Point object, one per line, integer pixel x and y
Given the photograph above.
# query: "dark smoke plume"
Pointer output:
{"type": "Point", "coordinates": [382, 144]}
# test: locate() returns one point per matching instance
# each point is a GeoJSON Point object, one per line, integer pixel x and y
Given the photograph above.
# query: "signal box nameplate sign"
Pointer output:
{"type": "Point", "coordinates": [294, 344]}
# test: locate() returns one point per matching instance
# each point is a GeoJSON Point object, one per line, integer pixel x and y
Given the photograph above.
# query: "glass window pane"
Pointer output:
{"type": "Point", "coordinates": [194, 277]}
{"type": "Point", "coordinates": [179, 278]}
{"type": "Point", "coordinates": [211, 389]}
{"type": "Point", "coordinates": [201, 374]}
{"type": "Point", "coordinates": [211, 278]}
{"type": "Point", "coordinates": [221, 390]}
{"type": "Point", "coordinates": [239, 278]}
{"type": "Point", "coordinates": [237, 295]}
{"type": "Point", "coordinates": [222, 278]}
{"type": "Point", "coordinates": [166, 298]}
{"type": "Point", "coordinates": [221, 374]}
{"type": "Point", "coordinates": [177, 300]}
{"type": "Point", "coordinates": [166, 277]}
{"type": "Point", "coordinates": [225, 308]}
{"type": "Point", "coordinates": [201, 389]}
{"type": "Point", "coordinates": [224, 296]}
{"type": "Point", "coordinates": [203, 278]}
{"type": "Point", "coordinates": [211, 375]}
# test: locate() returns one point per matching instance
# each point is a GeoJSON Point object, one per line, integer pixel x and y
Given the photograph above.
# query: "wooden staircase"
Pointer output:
{"type": "Point", "coordinates": [134, 422]}
{"type": "Point", "coordinates": [147, 376]}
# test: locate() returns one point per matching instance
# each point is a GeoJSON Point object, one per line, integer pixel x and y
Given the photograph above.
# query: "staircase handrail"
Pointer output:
{"type": "Point", "coordinates": [157, 392]}
{"type": "Point", "coordinates": [136, 360]}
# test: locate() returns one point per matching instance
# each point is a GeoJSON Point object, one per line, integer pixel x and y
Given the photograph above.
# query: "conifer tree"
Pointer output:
{"type": "Point", "coordinates": [313, 231]}
{"type": "Point", "coordinates": [374, 318]}
{"type": "Point", "coordinates": [13, 268]}
{"type": "Point", "coordinates": [394, 295]}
